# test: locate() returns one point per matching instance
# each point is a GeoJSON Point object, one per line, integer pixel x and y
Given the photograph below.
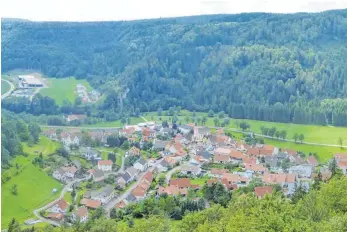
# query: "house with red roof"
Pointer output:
{"type": "Point", "coordinates": [255, 168]}
{"type": "Point", "coordinates": [260, 192]}
{"type": "Point", "coordinates": [80, 214]}
{"type": "Point", "coordinates": [61, 206]}
{"type": "Point", "coordinates": [312, 160]}
{"type": "Point", "coordinates": [89, 203]}
{"type": "Point", "coordinates": [218, 173]}
{"type": "Point", "coordinates": [232, 181]}
{"type": "Point", "coordinates": [105, 165]}
{"type": "Point", "coordinates": [286, 181]}
{"type": "Point", "coordinates": [55, 216]}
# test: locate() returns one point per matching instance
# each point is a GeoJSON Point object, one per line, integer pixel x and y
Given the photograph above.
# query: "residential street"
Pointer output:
{"type": "Point", "coordinates": [65, 189]}
{"type": "Point", "coordinates": [121, 197]}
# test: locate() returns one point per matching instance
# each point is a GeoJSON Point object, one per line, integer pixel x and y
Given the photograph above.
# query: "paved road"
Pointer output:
{"type": "Point", "coordinates": [169, 174]}
{"type": "Point", "coordinates": [65, 189]}
{"type": "Point", "coordinates": [5, 95]}
{"type": "Point", "coordinates": [124, 195]}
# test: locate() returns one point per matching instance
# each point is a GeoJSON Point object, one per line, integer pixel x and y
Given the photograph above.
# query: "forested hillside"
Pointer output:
{"type": "Point", "coordinates": [272, 67]}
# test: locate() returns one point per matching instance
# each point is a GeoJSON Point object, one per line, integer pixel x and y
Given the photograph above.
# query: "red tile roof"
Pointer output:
{"type": "Point", "coordinates": [138, 192]}
{"type": "Point", "coordinates": [216, 171]}
{"type": "Point", "coordinates": [278, 178]}
{"type": "Point", "coordinates": [255, 167]}
{"type": "Point", "coordinates": [312, 160]}
{"type": "Point", "coordinates": [261, 191]}
{"type": "Point", "coordinates": [120, 205]}
{"type": "Point", "coordinates": [222, 158]}
{"type": "Point", "coordinates": [211, 181]}
{"type": "Point", "coordinates": [55, 216]}
{"type": "Point", "coordinates": [253, 151]}
{"type": "Point", "coordinates": [340, 156]}
{"type": "Point", "coordinates": [81, 212]}
{"type": "Point", "coordinates": [172, 190]}
{"type": "Point", "coordinates": [62, 204]}
{"type": "Point", "coordinates": [105, 162]}
{"type": "Point", "coordinates": [181, 182]}
{"type": "Point", "coordinates": [235, 154]}
{"type": "Point", "coordinates": [91, 203]}
{"type": "Point", "coordinates": [148, 177]}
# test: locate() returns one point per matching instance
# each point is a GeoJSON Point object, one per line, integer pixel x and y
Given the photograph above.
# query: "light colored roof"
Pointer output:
{"type": "Point", "coordinates": [217, 171]}
{"type": "Point", "coordinates": [31, 80]}
{"type": "Point", "coordinates": [255, 167]}
{"type": "Point", "coordinates": [222, 151]}
{"type": "Point", "coordinates": [278, 178]}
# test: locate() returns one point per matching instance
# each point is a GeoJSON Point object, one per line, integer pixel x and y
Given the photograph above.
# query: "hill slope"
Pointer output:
{"type": "Point", "coordinates": [258, 66]}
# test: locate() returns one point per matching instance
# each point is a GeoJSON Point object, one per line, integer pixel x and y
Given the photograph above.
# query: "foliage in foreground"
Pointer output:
{"type": "Point", "coordinates": [320, 210]}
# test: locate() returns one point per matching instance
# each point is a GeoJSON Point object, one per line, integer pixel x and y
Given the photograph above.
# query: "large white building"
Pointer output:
{"type": "Point", "coordinates": [27, 81]}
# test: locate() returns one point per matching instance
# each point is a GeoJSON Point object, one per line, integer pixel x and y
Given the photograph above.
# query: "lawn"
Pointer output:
{"type": "Point", "coordinates": [312, 133]}
{"type": "Point", "coordinates": [199, 181]}
{"type": "Point", "coordinates": [45, 146]}
{"type": "Point", "coordinates": [34, 190]}
{"type": "Point", "coordinates": [324, 153]}
{"type": "Point", "coordinates": [63, 88]}
{"type": "Point", "coordinates": [68, 197]}
{"type": "Point", "coordinates": [117, 123]}
{"type": "Point", "coordinates": [34, 185]}
{"type": "Point", "coordinates": [5, 87]}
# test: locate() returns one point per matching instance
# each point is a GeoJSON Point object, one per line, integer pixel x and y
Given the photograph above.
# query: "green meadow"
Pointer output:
{"type": "Point", "coordinates": [312, 133]}
{"type": "Point", "coordinates": [61, 89]}
{"type": "Point", "coordinates": [5, 87]}
{"type": "Point", "coordinates": [34, 185]}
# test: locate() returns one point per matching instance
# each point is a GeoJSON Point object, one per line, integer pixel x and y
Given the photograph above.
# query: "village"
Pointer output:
{"type": "Point", "coordinates": [162, 159]}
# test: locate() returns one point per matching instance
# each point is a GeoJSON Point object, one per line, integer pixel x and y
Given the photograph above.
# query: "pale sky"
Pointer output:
{"type": "Point", "coordinates": [102, 10]}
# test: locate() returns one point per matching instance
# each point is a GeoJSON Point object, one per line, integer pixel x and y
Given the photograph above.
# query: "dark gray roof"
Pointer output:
{"type": "Point", "coordinates": [98, 174]}
{"type": "Point", "coordinates": [164, 163]}
{"type": "Point", "coordinates": [126, 177]}
{"type": "Point", "coordinates": [131, 198]}
{"type": "Point", "coordinates": [204, 130]}
{"type": "Point", "coordinates": [61, 171]}
{"type": "Point", "coordinates": [186, 127]}
{"type": "Point", "coordinates": [189, 136]}
{"type": "Point", "coordinates": [106, 191]}
{"type": "Point", "coordinates": [206, 154]}
{"type": "Point", "coordinates": [160, 144]}
{"type": "Point", "coordinates": [141, 161]}
{"type": "Point", "coordinates": [132, 171]}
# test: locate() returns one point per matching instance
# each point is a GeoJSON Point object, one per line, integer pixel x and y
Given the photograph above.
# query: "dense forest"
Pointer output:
{"type": "Point", "coordinates": [14, 131]}
{"type": "Point", "coordinates": [273, 67]}
{"type": "Point", "coordinates": [323, 209]}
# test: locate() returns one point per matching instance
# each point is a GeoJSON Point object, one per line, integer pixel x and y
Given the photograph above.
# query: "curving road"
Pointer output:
{"type": "Point", "coordinates": [5, 95]}
{"type": "Point", "coordinates": [65, 189]}
{"type": "Point", "coordinates": [169, 173]}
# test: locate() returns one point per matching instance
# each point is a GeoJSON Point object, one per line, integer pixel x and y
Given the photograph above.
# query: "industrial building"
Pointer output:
{"type": "Point", "coordinates": [27, 81]}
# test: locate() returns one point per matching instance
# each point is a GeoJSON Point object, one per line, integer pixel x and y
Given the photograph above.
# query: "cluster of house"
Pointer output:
{"type": "Point", "coordinates": [85, 96]}
{"type": "Point", "coordinates": [61, 207]}
{"type": "Point", "coordinates": [139, 192]}
{"type": "Point", "coordinates": [178, 186]}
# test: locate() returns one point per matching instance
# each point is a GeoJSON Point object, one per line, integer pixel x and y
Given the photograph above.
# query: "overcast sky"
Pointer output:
{"type": "Point", "coordinates": [97, 10]}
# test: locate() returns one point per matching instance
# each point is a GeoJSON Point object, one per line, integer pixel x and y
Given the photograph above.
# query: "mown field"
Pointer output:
{"type": "Point", "coordinates": [34, 185]}
{"type": "Point", "coordinates": [61, 89]}
{"type": "Point", "coordinates": [117, 123]}
{"type": "Point", "coordinates": [5, 87]}
{"type": "Point", "coordinates": [312, 133]}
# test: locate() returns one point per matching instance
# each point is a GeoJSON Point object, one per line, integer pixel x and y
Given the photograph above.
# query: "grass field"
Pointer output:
{"type": "Point", "coordinates": [199, 181]}
{"type": "Point", "coordinates": [34, 185]}
{"type": "Point", "coordinates": [312, 133]}
{"type": "Point", "coordinates": [63, 88]}
{"type": "Point", "coordinates": [4, 87]}
{"type": "Point", "coordinates": [34, 190]}
{"type": "Point", "coordinates": [133, 120]}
